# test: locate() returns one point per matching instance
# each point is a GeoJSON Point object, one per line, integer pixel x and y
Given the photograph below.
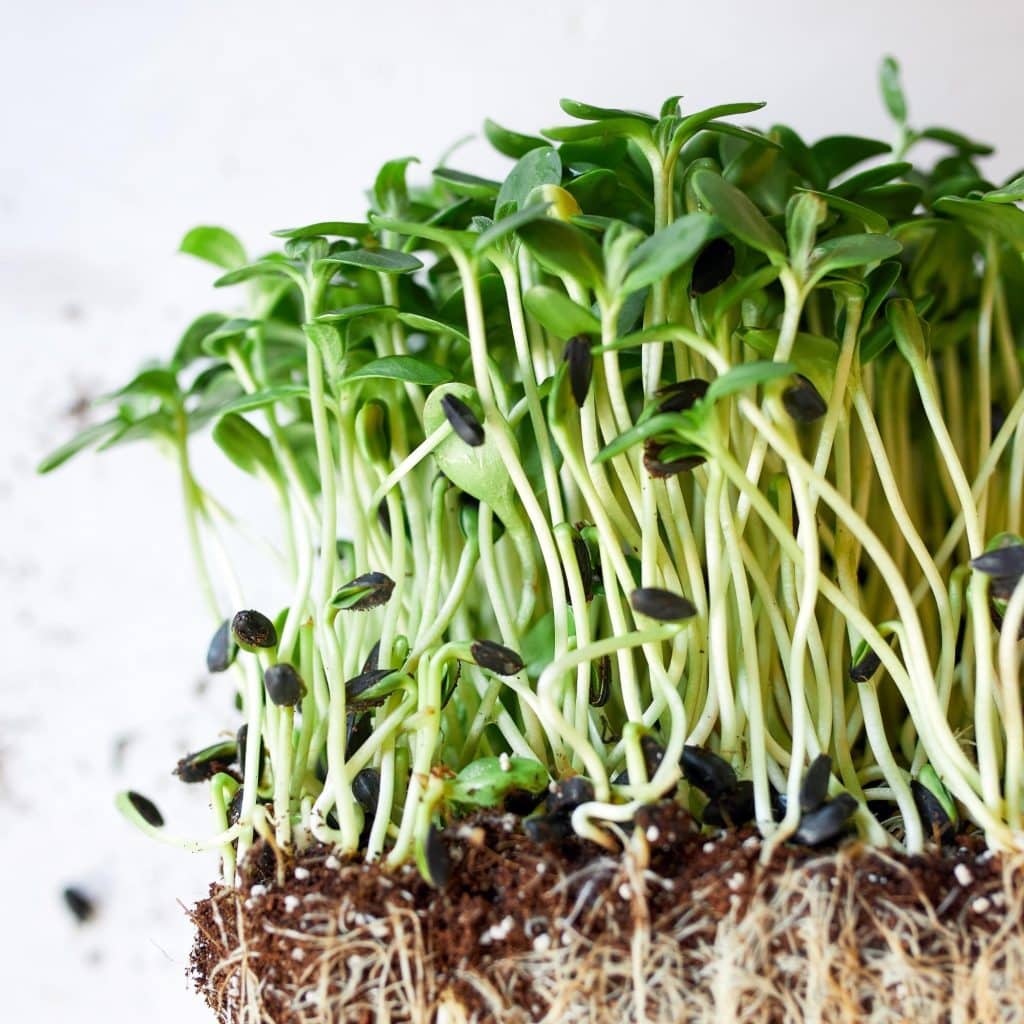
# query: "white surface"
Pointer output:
{"type": "Point", "coordinates": [123, 124]}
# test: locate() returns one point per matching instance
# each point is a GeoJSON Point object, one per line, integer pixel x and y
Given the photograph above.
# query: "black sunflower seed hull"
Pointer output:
{"type": "Point", "coordinates": [827, 823]}
{"type": "Point", "coordinates": [548, 828]}
{"type": "Point", "coordinates": [654, 754]}
{"type": "Point", "coordinates": [370, 664]}
{"type": "Point", "coordinates": [284, 685]}
{"type": "Point", "coordinates": [82, 907]}
{"type": "Point", "coordinates": [521, 801]}
{"type": "Point", "coordinates": [463, 420]}
{"type": "Point", "coordinates": [937, 825]}
{"type": "Point", "coordinates": [661, 469]}
{"type": "Point", "coordinates": [712, 267]}
{"type": "Point", "coordinates": [146, 809]}
{"type": "Point", "coordinates": [496, 658]}
{"type": "Point", "coordinates": [568, 794]}
{"type": "Point", "coordinates": [663, 605]}
{"type": "Point", "coordinates": [204, 764]}
{"type": "Point", "coordinates": [371, 590]}
{"type": "Point", "coordinates": [732, 809]}
{"type": "Point", "coordinates": [366, 789]}
{"type": "Point", "coordinates": [711, 774]}
{"type": "Point", "coordinates": [253, 629]}
{"type": "Point", "coordinates": [439, 862]}
{"type": "Point", "coordinates": [865, 669]}
{"type": "Point", "coordinates": [803, 402]}
{"type": "Point", "coordinates": [815, 785]}
{"type": "Point", "coordinates": [580, 363]}
{"type": "Point", "coordinates": [682, 395]}
{"type": "Point", "coordinates": [222, 650]}
{"type": "Point", "coordinates": [1006, 562]}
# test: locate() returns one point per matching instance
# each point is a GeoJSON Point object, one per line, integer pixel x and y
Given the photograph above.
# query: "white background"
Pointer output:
{"type": "Point", "coordinates": [123, 124]}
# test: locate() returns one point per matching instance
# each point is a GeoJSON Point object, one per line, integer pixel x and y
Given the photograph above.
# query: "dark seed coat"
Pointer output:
{"type": "Point", "coordinates": [731, 809]}
{"type": "Point", "coordinates": [864, 669]}
{"type": "Point", "coordinates": [222, 650]}
{"type": "Point", "coordinates": [501, 660]}
{"type": "Point", "coordinates": [660, 469]}
{"type": "Point", "coordinates": [568, 794]}
{"type": "Point", "coordinates": [366, 789]}
{"type": "Point", "coordinates": [682, 395]}
{"type": "Point", "coordinates": [712, 267]}
{"type": "Point", "coordinates": [933, 815]}
{"type": "Point", "coordinates": [711, 774]}
{"type": "Point", "coordinates": [548, 828]}
{"type": "Point", "coordinates": [206, 763]}
{"type": "Point", "coordinates": [803, 402]}
{"type": "Point", "coordinates": [80, 905]}
{"type": "Point", "coordinates": [827, 822]}
{"type": "Point", "coordinates": [463, 420]}
{"type": "Point", "coordinates": [285, 687]}
{"type": "Point", "coordinates": [580, 362]}
{"type": "Point", "coordinates": [815, 784]}
{"type": "Point", "coordinates": [253, 629]}
{"type": "Point", "coordinates": [439, 862]}
{"type": "Point", "coordinates": [147, 810]}
{"type": "Point", "coordinates": [370, 590]}
{"type": "Point", "coordinates": [660, 604]}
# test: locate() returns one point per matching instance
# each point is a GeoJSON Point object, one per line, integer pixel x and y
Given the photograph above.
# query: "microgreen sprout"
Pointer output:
{"type": "Point", "coordinates": [703, 447]}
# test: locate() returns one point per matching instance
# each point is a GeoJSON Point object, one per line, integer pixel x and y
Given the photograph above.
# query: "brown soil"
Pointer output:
{"type": "Point", "coordinates": [687, 926]}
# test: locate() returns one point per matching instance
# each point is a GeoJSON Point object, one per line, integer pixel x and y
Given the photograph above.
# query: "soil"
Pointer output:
{"type": "Point", "coordinates": [510, 899]}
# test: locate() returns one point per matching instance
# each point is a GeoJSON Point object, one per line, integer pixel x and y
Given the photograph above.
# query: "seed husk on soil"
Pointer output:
{"type": "Point", "coordinates": [815, 784]}
{"type": "Point", "coordinates": [496, 658]}
{"type": "Point", "coordinates": [253, 630]}
{"type": "Point", "coordinates": [567, 794]}
{"type": "Point", "coordinates": [933, 814]}
{"type": "Point", "coordinates": [731, 809]}
{"type": "Point", "coordinates": [438, 860]}
{"type": "Point", "coordinates": [711, 774]}
{"type": "Point", "coordinates": [463, 420]}
{"type": "Point", "coordinates": [827, 822]}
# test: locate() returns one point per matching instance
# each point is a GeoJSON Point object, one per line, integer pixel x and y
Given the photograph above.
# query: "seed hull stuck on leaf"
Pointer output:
{"type": "Point", "coordinates": [463, 420]}
{"type": "Point", "coordinates": [253, 629]}
{"type": "Point", "coordinates": [365, 592]}
{"type": "Point", "coordinates": [146, 809]}
{"type": "Point", "coordinates": [580, 362]}
{"type": "Point", "coordinates": [503, 661]}
{"type": "Point", "coordinates": [803, 402]}
{"type": "Point", "coordinates": [712, 267]}
{"type": "Point", "coordinates": [284, 685]}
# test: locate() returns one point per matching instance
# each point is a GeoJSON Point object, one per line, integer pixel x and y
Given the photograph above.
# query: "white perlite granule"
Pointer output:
{"type": "Point", "coordinates": [963, 875]}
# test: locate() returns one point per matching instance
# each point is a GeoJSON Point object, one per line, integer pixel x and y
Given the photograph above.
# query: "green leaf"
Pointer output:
{"type": "Point", "coordinates": [326, 228]}
{"type": "Point", "coordinates": [736, 132]}
{"type": "Point", "coordinates": [329, 343]}
{"type": "Point", "coordinates": [155, 383]}
{"type": "Point", "coordinates": [557, 313]}
{"type": "Point", "coordinates": [217, 341]}
{"type": "Point", "coordinates": [851, 251]}
{"type": "Point", "coordinates": [215, 245]}
{"type": "Point", "coordinates": [564, 249]}
{"type": "Point", "coordinates": [1011, 192]}
{"type": "Point", "coordinates": [82, 440]}
{"type": "Point", "coordinates": [539, 166]}
{"type": "Point", "coordinates": [895, 201]}
{"type": "Point", "coordinates": [693, 123]}
{"type": "Point", "coordinates": [244, 445]}
{"type": "Point", "coordinates": [872, 177]}
{"type": "Point", "coordinates": [267, 267]}
{"type": "Point", "coordinates": [805, 213]}
{"type": "Point", "coordinates": [959, 142]}
{"type": "Point", "coordinates": [747, 375]}
{"type": "Point", "coordinates": [385, 261]}
{"type": "Point", "coordinates": [848, 208]}
{"type": "Point", "coordinates": [667, 250]}
{"type": "Point", "coordinates": [510, 143]}
{"type": "Point", "coordinates": [504, 227]}
{"type": "Point", "coordinates": [463, 184]}
{"type": "Point", "coordinates": [268, 396]}
{"type": "Point", "coordinates": [587, 112]}
{"type": "Point", "coordinates": [736, 292]}
{"type": "Point", "coordinates": [431, 326]}
{"type": "Point", "coordinates": [390, 192]}
{"type": "Point", "coordinates": [190, 347]}
{"type": "Point", "coordinates": [1004, 220]}
{"type": "Point", "coordinates": [156, 424]}
{"type": "Point", "coordinates": [357, 310]}
{"type": "Point", "coordinates": [738, 214]}
{"type": "Point", "coordinates": [485, 783]}
{"type": "Point", "coordinates": [892, 91]}
{"type": "Point", "coordinates": [838, 153]}
{"type": "Point", "coordinates": [410, 369]}
{"type": "Point", "coordinates": [685, 424]}
{"type": "Point", "coordinates": [880, 282]}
